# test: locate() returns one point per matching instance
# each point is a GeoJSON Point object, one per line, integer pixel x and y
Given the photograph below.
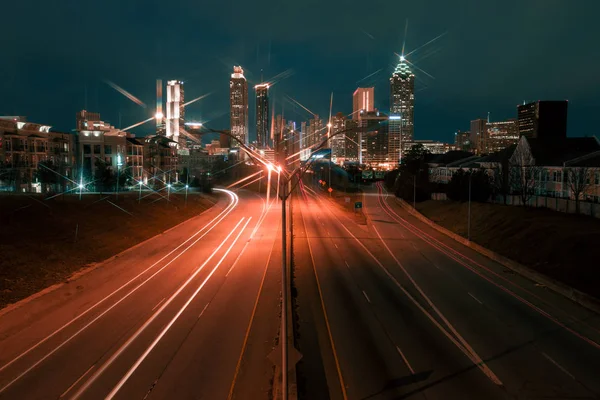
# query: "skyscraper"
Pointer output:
{"type": "Point", "coordinates": [478, 135]}
{"type": "Point", "coordinates": [374, 142]}
{"type": "Point", "coordinates": [362, 99]}
{"type": "Point", "coordinates": [262, 114]}
{"type": "Point", "coordinates": [338, 141]}
{"type": "Point", "coordinates": [175, 110]}
{"type": "Point", "coordinates": [402, 106]}
{"type": "Point", "coordinates": [543, 119]}
{"type": "Point", "coordinates": [238, 103]}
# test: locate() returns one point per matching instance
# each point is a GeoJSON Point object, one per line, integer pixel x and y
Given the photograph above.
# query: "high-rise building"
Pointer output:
{"type": "Point", "coordinates": [238, 103]}
{"type": "Point", "coordinates": [402, 109]}
{"type": "Point", "coordinates": [362, 99]}
{"type": "Point", "coordinates": [315, 133]}
{"type": "Point", "coordinates": [478, 134]}
{"type": "Point", "coordinates": [175, 110]}
{"type": "Point", "coordinates": [279, 130]}
{"type": "Point", "coordinates": [352, 141]}
{"type": "Point", "coordinates": [543, 119]}
{"type": "Point", "coordinates": [500, 135]}
{"type": "Point", "coordinates": [374, 141]}
{"type": "Point", "coordinates": [338, 141]}
{"type": "Point", "coordinates": [462, 140]}
{"type": "Point", "coordinates": [262, 114]}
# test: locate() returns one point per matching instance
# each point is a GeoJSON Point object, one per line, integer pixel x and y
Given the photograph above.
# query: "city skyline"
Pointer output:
{"type": "Point", "coordinates": [459, 93]}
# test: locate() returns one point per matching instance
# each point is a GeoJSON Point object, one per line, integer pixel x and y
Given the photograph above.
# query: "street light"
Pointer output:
{"type": "Point", "coordinates": [299, 172]}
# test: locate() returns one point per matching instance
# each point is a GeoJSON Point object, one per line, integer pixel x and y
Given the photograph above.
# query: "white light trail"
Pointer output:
{"type": "Point", "coordinates": [300, 104]}
{"type": "Point", "coordinates": [138, 124]}
{"type": "Point", "coordinates": [196, 99]}
{"type": "Point", "coordinates": [125, 93]}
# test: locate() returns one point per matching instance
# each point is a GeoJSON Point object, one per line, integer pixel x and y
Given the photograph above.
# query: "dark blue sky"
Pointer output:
{"type": "Point", "coordinates": [493, 55]}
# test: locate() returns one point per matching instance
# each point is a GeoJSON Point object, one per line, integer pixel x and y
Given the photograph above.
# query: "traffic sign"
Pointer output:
{"type": "Point", "coordinates": [330, 190]}
{"type": "Point", "coordinates": [358, 204]}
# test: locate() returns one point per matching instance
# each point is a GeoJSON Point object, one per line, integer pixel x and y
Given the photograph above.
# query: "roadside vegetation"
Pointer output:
{"type": "Point", "coordinates": [43, 242]}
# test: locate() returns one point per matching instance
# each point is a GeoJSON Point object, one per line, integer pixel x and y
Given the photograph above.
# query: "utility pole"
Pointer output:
{"type": "Point", "coordinates": [415, 192]}
{"type": "Point", "coordinates": [469, 212]}
{"type": "Point", "coordinates": [283, 336]}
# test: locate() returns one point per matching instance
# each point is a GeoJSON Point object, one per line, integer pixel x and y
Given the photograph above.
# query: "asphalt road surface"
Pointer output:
{"type": "Point", "coordinates": [190, 314]}
{"type": "Point", "coordinates": [392, 309]}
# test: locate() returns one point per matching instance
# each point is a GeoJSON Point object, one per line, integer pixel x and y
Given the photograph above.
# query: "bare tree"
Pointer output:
{"type": "Point", "coordinates": [524, 175]}
{"type": "Point", "coordinates": [578, 179]}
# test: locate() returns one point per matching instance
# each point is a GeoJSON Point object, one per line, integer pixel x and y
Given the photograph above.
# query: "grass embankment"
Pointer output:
{"type": "Point", "coordinates": [43, 242]}
{"type": "Point", "coordinates": [565, 247]}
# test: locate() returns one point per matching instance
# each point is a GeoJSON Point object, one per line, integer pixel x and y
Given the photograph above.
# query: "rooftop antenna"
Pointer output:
{"type": "Point", "coordinates": [261, 76]}
{"type": "Point", "coordinates": [488, 117]}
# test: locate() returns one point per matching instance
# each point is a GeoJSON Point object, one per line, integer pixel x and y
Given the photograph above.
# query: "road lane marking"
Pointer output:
{"type": "Point", "coordinates": [558, 366]}
{"type": "Point", "coordinates": [153, 317]}
{"type": "Point", "coordinates": [76, 382]}
{"type": "Point", "coordinates": [219, 218]}
{"type": "Point", "coordinates": [335, 357]}
{"type": "Point", "coordinates": [463, 345]}
{"type": "Point", "coordinates": [204, 309]}
{"type": "Point", "coordinates": [366, 297]}
{"type": "Point", "coordinates": [347, 264]}
{"type": "Point", "coordinates": [336, 246]}
{"type": "Point", "coordinates": [476, 299]}
{"type": "Point", "coordinates": [154, 308]}
{"type": "Point", "coordinates": [412, 371]}
{"type": "Point", "coordinates": [247, 335]}
{"type": "Point", "coordinates": [456, 256]}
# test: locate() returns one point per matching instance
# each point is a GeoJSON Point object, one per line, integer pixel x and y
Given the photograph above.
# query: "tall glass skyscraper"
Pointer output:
{"type": "Point", "coordinates": [402, 107]}
{"type": "Point", "coordinates": [238, 103]}
{"type": "Point", "coordinates": [262, 114]}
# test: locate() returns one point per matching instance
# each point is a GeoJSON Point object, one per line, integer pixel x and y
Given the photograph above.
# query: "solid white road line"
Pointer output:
{"type": "Point", "coordinates": [54, 350]}
{"type": "Point", "coordinates": [152, 318]}
{"type": "Point", "coordinates": [474, 356]}
{"type": "Point", "coordinates": [333, 350]}
{"type": "Point", "coordinates": [181, 310]}
{"type": "Point", "coordinates": [347, 265]}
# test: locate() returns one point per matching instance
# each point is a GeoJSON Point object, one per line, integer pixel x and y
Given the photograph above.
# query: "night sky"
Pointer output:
{"type": "Point", "coordinates": [491, 56]}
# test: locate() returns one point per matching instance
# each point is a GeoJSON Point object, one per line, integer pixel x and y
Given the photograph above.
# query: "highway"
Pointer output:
{"type": "Point", "coordinates": [393, 309]}
{"type": "Point", "coordinates": [192, 313]}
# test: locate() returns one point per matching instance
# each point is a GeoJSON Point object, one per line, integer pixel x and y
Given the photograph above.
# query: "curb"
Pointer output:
{"type": "Point", "coordinates": [89, 268]}
{"type": "Point", "coordinates": [583, 299]}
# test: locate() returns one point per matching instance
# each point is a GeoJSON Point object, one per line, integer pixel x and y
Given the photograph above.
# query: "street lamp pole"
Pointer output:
{"type": "Point", "coordinates": [469, 212]}
{"type": "Point", "coordinates": [283, 336]}
{"type": "Point", "coordinates": [415, 192]}
{"type": "Point", "coordinates": [284, 273]}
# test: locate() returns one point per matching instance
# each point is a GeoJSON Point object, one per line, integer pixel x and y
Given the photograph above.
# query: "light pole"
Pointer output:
{"type": "Point", "coordinates": [140, 195]}
{"type": "Point", "coordinates": [415, 191]}
{"type": "Point", "coordinates": [119, 163]}
{"type": "Point", "coordinates": [168, 191]}
{"type": "Point", "coordinates": [469, 211]}
{"type": "Point", "coordinates": [299, 171]}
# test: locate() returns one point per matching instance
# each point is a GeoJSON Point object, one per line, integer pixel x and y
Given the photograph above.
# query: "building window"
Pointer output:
{"type": "Point", "coordinates": [107, 149]}
{"type": "Point", "coordinates": [97, 149]}
{"type": "Point", "coordinates": [597, 178]}
{"type": "Point", "coordinates": [87, 149]}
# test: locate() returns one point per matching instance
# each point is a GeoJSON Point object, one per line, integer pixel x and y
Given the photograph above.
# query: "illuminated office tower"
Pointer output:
{"type": "Point", "coordinates": [262, 114]}
{"type": "Point", "coordinates": [238, 103]}
{"type": "Point", "coordinates": [175, 109]}
{"type": "Point", "coordinates": [402, 110]}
